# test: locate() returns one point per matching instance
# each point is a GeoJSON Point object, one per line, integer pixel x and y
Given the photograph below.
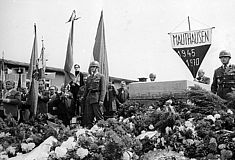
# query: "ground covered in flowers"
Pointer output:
{"type": "Point", "coordinates": [198, 126]}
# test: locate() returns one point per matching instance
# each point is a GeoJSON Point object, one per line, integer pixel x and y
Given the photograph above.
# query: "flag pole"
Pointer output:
{"type": "Point", "coordinates": [2, 85]}
{"type": "Point", "coordinates": [189, 27]}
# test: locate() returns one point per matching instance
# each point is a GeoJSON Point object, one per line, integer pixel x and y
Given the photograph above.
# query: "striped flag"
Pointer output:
{"type": "Point", "coordinates": [33, 92]}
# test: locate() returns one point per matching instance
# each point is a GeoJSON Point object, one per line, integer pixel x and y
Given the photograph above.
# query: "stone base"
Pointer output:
{"type": "Point", "coordinates": [153, 90]}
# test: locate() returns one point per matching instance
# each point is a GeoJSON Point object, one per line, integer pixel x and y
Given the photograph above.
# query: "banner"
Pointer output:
{"type": "Point", "coordinates": [192, 47]}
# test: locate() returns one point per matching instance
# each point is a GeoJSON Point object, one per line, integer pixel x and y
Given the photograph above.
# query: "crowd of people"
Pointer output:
{"type": "Point", "coordinates": [89, 98]}
{"type": "Point", "coordinates": [86, 98]}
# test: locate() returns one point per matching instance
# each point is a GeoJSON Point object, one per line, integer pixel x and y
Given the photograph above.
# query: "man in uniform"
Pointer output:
{"type": "Point", "coordinates": [224, 76]}
{"type": "Point", "coordinates": [94, 94]}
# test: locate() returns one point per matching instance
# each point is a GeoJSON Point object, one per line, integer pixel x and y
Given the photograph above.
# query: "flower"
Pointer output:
{"type": "Point", "coordinates": [211, 117]}
{"type": "Point", "coordinates": [151, 127]}
{"type": "Point", "coordinates": [168, 130]}
{"type": "Point", "coordinates": [31, 146]}
{"type": "Point", "coordinates": [217, 116]}
{"type": "Point", "coordinates": [127, 155]}
{"type": "Point", "coordinates": [11, 150]}
{"type": "Point", "coordinates": [188, 124]}
{"type": "Point", "coordinates": [229, 111]}
{"type": "Point", "coordinates": [82, 153]}
{"type": "Point", "coordinates": [131, 125]}
{"type": "Point", "coordinates": [24, 147]}
{"type": "Point", "coordinates": [60, 152]}
{"type": "Point", "coordinates": [80, 132]}
{"type": "Point", "coordinates": [69, 144]}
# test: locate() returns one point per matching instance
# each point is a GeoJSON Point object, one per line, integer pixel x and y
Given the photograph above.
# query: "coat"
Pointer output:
{"type": "Point", "coordinates": [123, 95]}
{"type": "Point", "coordinates": [42, 102]}
{"type": "Point", "coordinates": [217, 86]}
{"type": "Point", "coordinates": [95, 88]}
{"type": "Point", "coordinates": [11, 107]}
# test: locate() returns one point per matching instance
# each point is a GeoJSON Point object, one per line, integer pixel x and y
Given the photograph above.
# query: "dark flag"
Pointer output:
{"type": "Point", "coordinates": [33, 92]}
{"type": "Point", "coordinates": [42, 63]}
{"type": "Point", "coordinates": [69, 54]}
{"type": "Point", "coordinates": [99, 50]}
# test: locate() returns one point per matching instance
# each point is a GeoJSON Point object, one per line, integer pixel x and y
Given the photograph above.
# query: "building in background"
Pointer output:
{"type": "Point", "coordinates": [53, 76]}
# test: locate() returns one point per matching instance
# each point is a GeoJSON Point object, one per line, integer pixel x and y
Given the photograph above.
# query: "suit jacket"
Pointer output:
{"type": "Point", "coordinates": [123, 95]}
{"type": "Point", "coordinates": [95, 88]}
{"type": "Point", "coordinates": [42, 102]}
{"type": "Point", "coordinates": [11, 107]}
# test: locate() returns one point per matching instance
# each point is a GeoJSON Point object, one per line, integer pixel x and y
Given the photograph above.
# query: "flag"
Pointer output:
{"type": "Point", "coordinates": [2, 77]}
{"type": "Point", "coordinates": [192, 47]}
{"type": "Point", "coordinates": [69, 55]}
{"type": "Point", "coordinates": [33, 91]}
{"type": "Point", "coordinates": [99, 50]}
{"type": "Point", "coordinates": [42, 64]}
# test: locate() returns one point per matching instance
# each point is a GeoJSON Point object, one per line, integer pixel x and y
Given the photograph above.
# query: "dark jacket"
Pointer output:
{"type": "Point", "coordinates": [218, 85]}
{"type": "Point", "coordinates": [11, 107]}
{"type": "Point", "coordinates": [95, 88]}
{"type": "Point", "coordinates": [42, 102]}
{"type": "Point", "coordinates": [123, 95]}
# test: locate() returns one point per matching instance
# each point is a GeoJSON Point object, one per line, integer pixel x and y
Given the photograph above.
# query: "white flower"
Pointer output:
{"type": "Point", "coordinates": [31, 146]}
{"type": "Point", "coordinates": [24, 147]}
{"type": "Point", "coordinates": [131, 125]}
{"type": "Point", "coordinates": [69, 144]}
{"type": "Point", "coordinates": [127, 155]}
{"type": "Point", "coordinates": [81, 152]}
{"type": "Point", "coordinates": [211, 117]}
{"type": "Point", "coordinates": [229, 111]}
{"type": "Point", "coordinates": [188, 124]}
{"type": "Point", "coordinates": [150, 107]}
{"type": "Point", "coordinates": [2, 134]}
{"type": "Point", "coordinates": [11, 149]}
{"type": "Point", "coordinates": [3, 156]}
{"type": "Point", "coordinates": [181, 152]}
{"type": "Point", "coordinates": [133, 117]}
{"type": "Point", "coordinates": [181, 128]}
{"type": "Point", "coordinates": [60, 152]}
{"type": "Point", "coordinates": [151, 127]}
{"type": "Point", "coordinates": [217, 116]}
{"type": "Point", "coordinates": [190, 141]}
{"type": "Point", "coordinates": [126, 120]}
{"type": "Point", "coordinates": [120, 119]}
{"type": "Point", "coordinates": [168, 130]}
{"type": "Point", "coordinates": [80, 132]}
{"type": "Point", "coordinates": [158, 109]}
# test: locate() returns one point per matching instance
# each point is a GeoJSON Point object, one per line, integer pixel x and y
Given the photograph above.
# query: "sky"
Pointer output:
{"type": "Point", "coordinates": [136, 33]}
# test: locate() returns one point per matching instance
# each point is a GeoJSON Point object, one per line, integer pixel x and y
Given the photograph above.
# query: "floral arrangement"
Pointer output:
{"type": "Point", "coordinates": [198, 127]}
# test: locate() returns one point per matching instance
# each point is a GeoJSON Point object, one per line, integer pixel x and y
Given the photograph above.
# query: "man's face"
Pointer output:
{"type": "Point", "coordinates": [9, 85]}
{"type": "Point", "coordinates": [200, 74]}
{"type": "Point", "coordinates": [41, 85]}
{"type": "Point", "coordinates": [52, 90]}
{"type": "Point", "coordinates": [93, 69]}
{"type": "Point", "coordinates": [123, 84]}
{"type": "Point", "coordinates": [225, 60]}
{"type": "Point", "coordinates": [76, 68]}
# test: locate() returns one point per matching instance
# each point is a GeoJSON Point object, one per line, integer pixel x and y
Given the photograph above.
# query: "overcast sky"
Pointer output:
{"type": "Point", "coordinates": [136, 32]}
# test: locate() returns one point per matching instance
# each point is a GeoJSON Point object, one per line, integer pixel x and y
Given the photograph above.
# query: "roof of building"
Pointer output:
{"type": "Point", "coordinates": [54, 69]}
